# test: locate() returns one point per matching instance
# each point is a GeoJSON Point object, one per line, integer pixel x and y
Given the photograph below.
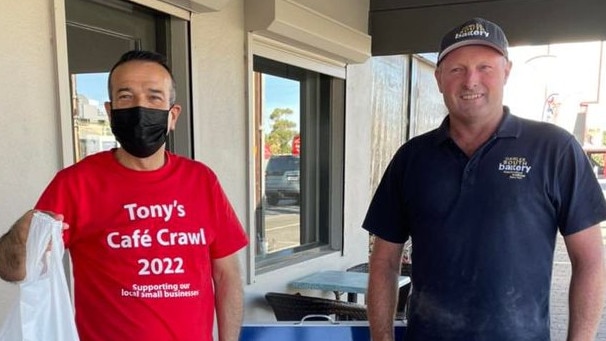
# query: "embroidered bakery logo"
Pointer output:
{"type": "Point", "coordinates": [472, 30]}
{"type": "Point", "coordinates": [514, 167]}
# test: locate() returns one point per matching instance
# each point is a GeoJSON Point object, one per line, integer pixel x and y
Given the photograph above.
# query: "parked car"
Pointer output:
{"type": "Point", "coordinates": [282, 178]}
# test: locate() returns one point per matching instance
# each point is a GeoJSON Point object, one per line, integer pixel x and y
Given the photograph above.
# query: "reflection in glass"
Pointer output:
{"type": "Point", "coordinates": [299, 121]}
{"type": "Point", "coordinates": [92, 132]}
{"type": "Point", "coordinates": [279, 228]}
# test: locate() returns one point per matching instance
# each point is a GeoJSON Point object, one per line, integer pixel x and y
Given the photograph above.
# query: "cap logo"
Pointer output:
{"type": "Point", "coordinates": [476, 31]}
{"type": "Point", "coordinates": [472, 30]}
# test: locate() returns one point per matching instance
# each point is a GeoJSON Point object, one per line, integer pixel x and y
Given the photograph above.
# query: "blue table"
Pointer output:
{"type": "Point", "coordinates": [352, 283]}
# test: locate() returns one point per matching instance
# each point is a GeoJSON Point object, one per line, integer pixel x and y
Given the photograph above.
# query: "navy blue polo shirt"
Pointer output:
{"type": "Point", "coordinates": [483, 228]}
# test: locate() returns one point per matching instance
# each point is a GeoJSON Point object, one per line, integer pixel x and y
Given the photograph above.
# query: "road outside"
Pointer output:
{"type": "Point", "coordinates": [282, 225]}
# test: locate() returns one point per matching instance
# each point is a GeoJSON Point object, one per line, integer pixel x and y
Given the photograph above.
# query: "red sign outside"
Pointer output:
{"type": "Point", "coordinates": [267, 152]}
{"type": "Point", "coordinates": [296, 145]}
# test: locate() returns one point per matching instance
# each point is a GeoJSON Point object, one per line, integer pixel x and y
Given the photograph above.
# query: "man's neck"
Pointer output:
{"type": "Point", "coordinates": [151, 163]}
{"type": "Point", "coordinates": [469, 135]}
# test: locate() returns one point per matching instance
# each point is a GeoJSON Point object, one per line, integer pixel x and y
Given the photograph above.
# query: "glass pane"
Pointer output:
{"type": "Point", "coordinates": [92, 132]}
{"type": "Point", "coordinates": [280, 121]}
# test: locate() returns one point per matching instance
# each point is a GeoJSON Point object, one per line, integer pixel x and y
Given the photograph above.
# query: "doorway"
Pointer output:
{"type": "Point", "coordinates": [98, 33]}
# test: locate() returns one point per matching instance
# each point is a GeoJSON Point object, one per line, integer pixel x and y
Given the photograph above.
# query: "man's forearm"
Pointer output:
{"type": "Point", "coordinates": [229, 297]}
{"type": "Point", "coordinates": [12, 253]}
{"type": "Point", "coordinates": [383, 288]}
{"type": "Point", "coordinates": [382, 298]}
{"type": "Point", "coordinates": [586, 299]}
{"type": "Point", "coordinates": [587, 283]}
{"type": "Point", "coordinates": [229, 306]}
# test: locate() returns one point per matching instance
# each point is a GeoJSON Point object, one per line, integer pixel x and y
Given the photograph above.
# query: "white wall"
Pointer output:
{"type": "Point", "coordinates": [358, 190]}
{"type": "Point", "coordinates": [219, 102]}
{"type": "Point", "coordinates": [28, 109]}
{"type": "Point", "coordinates": [353, 13]}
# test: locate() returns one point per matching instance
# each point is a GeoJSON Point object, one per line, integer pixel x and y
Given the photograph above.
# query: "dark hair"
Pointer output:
{"type": "Point", "coordinates": [145, 56]}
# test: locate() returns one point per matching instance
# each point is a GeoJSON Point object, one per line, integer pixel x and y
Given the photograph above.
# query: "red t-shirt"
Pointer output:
{"type": "Point", "coordinates": [141, 245]}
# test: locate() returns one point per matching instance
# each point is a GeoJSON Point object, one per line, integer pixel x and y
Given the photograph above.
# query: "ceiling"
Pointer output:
{"type": "Point", "coordinates": [416, 26]}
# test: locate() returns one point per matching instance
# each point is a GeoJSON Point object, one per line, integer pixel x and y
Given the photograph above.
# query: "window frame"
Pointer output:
{"type": "Point", "coordinates": [174, 41]}
{"type": "Point", "coordinates": [322, 196]}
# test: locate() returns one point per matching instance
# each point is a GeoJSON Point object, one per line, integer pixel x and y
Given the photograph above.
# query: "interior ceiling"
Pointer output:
{"type": "Point", "coordinates": [417, 26]}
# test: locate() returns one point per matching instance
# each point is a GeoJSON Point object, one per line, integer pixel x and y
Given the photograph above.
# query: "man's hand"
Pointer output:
{"type": "Point", "coordinates": [13, 244]}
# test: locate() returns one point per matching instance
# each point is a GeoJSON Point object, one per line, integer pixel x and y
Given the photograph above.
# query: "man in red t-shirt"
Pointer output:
{"type": "Point", "coordinates": [152, 236]}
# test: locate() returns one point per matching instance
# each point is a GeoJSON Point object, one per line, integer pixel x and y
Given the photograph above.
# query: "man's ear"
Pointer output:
{"type": "Point", "coordinates": [437, 74]}
{"type": "Point", "coordinates": [173, 115]}
{"type": "Point", "coordinates": [108, 109]}
{"type": "Point", "coordinates": [508, 66]}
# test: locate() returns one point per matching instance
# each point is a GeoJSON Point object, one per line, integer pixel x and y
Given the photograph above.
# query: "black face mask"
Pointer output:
{"type": "Point", "coordinates": [140, 131]}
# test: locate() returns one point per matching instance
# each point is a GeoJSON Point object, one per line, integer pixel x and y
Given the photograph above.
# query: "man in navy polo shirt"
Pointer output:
{"type": "Point", "coordinates": [483, 197]}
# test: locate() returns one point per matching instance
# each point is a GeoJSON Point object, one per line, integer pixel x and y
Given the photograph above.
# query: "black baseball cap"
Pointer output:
{"type": "Point", "coordinates": [477, 31]}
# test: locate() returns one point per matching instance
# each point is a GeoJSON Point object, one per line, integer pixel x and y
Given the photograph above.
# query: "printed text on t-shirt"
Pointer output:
{"type": "Point", "coordinates": [165, 211]}
{"type": "Point", "coordinates": [164, 290]}
{"type": "Point", "coordinates": [163, 237]}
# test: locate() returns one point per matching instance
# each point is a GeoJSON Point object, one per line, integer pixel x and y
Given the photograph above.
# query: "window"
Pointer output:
{"type": "Point", "coordinates": [299, 163]}
{"type": "Point", "coordinates": [92, 131]}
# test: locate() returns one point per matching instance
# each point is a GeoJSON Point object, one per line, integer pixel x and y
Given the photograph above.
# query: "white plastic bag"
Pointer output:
{"type": "Point", "coordinates": [44, 311]}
